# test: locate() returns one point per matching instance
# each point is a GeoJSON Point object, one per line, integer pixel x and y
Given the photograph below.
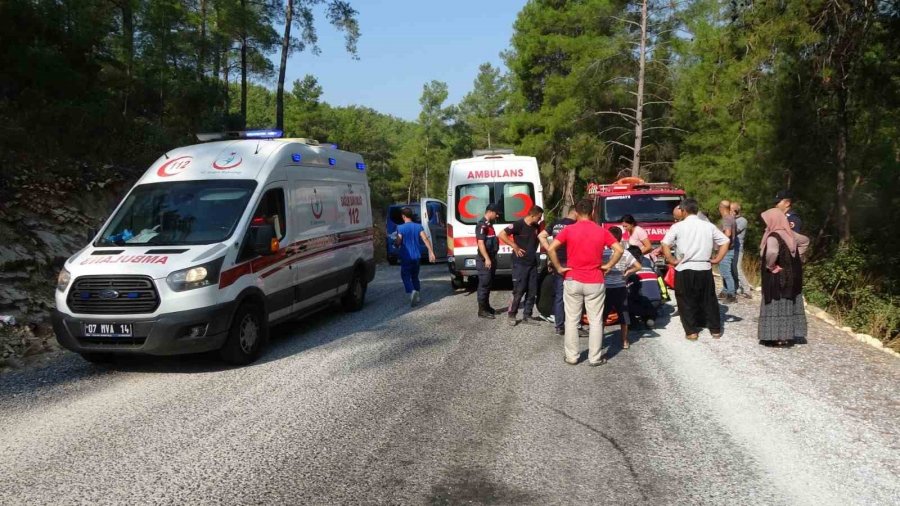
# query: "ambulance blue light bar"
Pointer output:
{"type": "Point", "coordinates": [263, 134]}
{"type": "Point", "coordinates": [361, 166]}
{"type": "Point", "coordinates": [244, 134]}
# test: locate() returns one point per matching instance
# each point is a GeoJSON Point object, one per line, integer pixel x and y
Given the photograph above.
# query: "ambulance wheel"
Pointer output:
{"type": "Point", "coordinates": [98, 358]}
{"type": "Point", "coordinates": [457, 282]}
{"type": "Point", "coordinates": [355, 297]}
{"type": "Point", "coordinates": [246, 336]}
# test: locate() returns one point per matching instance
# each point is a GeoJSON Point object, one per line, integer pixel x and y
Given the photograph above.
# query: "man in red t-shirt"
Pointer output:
{"type": "Point", "coordinates": [583, 286]}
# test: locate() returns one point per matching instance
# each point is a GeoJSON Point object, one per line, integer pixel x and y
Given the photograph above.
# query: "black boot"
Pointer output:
{"type": "Point", "coordinates": [491, 310]}
{"type": "Point", "coordinates": [485, 312]}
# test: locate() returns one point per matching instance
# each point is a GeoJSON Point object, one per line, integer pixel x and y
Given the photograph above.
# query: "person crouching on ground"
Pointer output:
{"type": "Point", "coordinates": [410, 255]}
{"type": "Point", "coordinates": [782, 316]}
{"type": "Point", "coordinates": [695, 289]}
{"type": "Point", "coordinates": [522, 237]}
{"type": "Point", "coordinates": [583, 285]}
{"type": "Point", "coordinates": [616, 288]}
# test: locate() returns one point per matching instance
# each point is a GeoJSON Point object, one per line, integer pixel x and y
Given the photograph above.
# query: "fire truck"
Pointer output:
{"type": "Point", "coordinates": [651, 204]}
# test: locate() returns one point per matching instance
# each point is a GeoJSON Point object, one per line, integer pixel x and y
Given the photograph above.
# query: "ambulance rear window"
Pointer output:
{"type": "Point", "coordinates": [514, 200]}
{"type": "Point", "coordinates": [471, 200]}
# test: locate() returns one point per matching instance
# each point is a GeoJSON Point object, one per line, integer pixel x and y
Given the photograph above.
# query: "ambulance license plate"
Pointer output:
{"type": "Point", "coordinates": [106, 329]}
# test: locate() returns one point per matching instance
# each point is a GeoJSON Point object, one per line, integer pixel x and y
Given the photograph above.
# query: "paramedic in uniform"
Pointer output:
{"type": "Point", "coordinates": [488, 245]}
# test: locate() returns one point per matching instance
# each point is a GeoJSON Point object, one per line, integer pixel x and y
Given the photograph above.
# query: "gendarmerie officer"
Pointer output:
{"type": "Point", "coordinates": [486, 263]}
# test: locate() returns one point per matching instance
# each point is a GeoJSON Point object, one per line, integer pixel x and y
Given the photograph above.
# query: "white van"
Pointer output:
{"type": "Point", "coordinates": [498, 176]}
{"type": "Point", "coordinates": [215, 243]}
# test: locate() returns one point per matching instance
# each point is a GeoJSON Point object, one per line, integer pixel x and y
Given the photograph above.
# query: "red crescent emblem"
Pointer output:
{"type": "Point", "coordinates": [228, 160]}
{"type": "Point", "coordinates": [527, 204]}
{"type": "Point", "coordinates": [174, 166]}
{"type": "Point", "coordinates": [461, 207]}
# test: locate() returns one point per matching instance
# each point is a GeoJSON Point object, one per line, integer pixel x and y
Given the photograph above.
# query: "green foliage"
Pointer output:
{"type": "Point", "coordinates": [483, 108]}
{"type": "Point", "coordinates": [845, 285]}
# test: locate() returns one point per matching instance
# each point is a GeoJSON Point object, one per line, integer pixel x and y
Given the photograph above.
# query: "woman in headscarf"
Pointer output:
{"type": "Point", "coordinates": [782, 318]}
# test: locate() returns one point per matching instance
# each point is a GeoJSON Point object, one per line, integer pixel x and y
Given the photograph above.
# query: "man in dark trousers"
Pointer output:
{"type": "Point", "coordinates": [486, 263]}
{"type": "Point", "coordinates": [522, 237]}
{"type": "Point", "coordinates": [695, 290]}
{"type": "Point", "coordinates": [559, 309]}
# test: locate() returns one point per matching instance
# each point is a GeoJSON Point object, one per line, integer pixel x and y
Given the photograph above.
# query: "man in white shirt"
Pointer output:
{"type": "Point", "coordinates": [695, 289]}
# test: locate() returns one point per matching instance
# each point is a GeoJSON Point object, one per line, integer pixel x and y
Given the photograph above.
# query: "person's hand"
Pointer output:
{"type": "Point", "coordinates": [431, 257]}
{"type": "Point", "coordinates": [716, 261]}
{"type": "Point", "coordinates": [519, 252]}
{"type": "Point", "coordinates": [605, 268]}
{"type": "Point", "coordinates": [563, 270]}
{"type": "Point", "coordinates": [488, 263]}
{"type": "Point", "coordinates": [776, 269]}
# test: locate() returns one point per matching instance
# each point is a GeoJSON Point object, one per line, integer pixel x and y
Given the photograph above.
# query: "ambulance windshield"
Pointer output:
{"type": "Point", "coordinates": [178, 213]}
{"type": "Point", "coordinates": [644, 208]}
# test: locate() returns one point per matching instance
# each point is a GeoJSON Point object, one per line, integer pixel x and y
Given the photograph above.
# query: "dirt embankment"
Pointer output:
{"type": "Point", "coordinates": [44, 219]}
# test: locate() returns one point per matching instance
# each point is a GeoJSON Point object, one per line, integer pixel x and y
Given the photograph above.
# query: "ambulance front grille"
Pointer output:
{"type": "Point", "coordinates": [113, 295]}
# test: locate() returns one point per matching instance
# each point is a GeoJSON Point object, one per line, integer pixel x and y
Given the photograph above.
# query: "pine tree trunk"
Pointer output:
{"type": "Point", "coordinates": [243, 68]}
{"type": "Point", "coordinates": [128, 46]}
{"type": "Point", "coordinates": [569, 191]}
{"type": "Point", "coordinates": [843, 192]}
{"type": "Point", "coordinates": [201, 53]}
{"type": "Point", "coordinates": [285, 49]}
{"type": "Point", "coordinates": [639, 110]}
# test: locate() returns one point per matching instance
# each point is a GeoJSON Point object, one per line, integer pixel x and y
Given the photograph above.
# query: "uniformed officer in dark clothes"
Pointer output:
{"type": "Point", "coordinates": [522, 237]}
{"type": "Point", "coordinates": [486, 263]}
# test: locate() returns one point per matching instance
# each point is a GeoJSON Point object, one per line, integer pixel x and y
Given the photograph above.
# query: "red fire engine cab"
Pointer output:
{"type": "Point", "coordinates": [651, 204]}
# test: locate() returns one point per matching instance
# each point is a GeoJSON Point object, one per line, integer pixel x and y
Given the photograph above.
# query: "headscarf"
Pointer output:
{"type": "Point", "coordinates": [777, 222]}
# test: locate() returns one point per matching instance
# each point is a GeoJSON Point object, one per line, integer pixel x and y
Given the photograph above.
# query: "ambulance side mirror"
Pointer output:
{"type": "Point", "coordinates": [263, 236]}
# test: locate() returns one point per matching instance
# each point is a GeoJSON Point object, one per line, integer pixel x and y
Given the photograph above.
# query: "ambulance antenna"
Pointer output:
{"type": "Point", "coordinates": [257, 147]}
{"type": "Point", "coordinates": [166, 154]}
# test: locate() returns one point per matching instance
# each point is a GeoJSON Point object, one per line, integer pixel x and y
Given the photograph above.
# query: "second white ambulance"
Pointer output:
{"type": "Point", "coordinates": [491, 176]}
{"type": "Point", "coordinates": [215, 243]}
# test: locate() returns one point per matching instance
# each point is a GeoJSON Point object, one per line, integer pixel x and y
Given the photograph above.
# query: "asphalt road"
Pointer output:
{"type": "Point", "coordinates": [432, 405]}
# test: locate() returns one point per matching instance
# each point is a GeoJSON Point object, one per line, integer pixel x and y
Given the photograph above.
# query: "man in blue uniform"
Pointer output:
{"type": "Point", "coordinates": [407, 240]}
{"type": "Point", "coordinates": [486, 263]}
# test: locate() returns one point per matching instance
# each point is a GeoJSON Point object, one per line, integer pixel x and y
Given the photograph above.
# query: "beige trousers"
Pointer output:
{"type": "Point", "coordinates": [591, 297]}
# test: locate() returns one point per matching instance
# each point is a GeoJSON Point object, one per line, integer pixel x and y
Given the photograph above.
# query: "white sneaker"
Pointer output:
{"type": "Point", "coordinates": [414, 298]}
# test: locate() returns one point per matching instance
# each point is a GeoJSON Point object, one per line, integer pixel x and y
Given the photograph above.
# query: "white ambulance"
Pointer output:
{"type": "Point", "coordinates": [495, 175]}
{"type": "Point", "coordinates": [215, 243]}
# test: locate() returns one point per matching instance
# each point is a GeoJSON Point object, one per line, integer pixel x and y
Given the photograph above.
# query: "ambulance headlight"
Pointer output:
{"type": "Point", "coordinates": [62, 281]}
{"type": "Point", "coordinates": [195, 277]}
{"type": "Point", "coordinates": [470, 262]}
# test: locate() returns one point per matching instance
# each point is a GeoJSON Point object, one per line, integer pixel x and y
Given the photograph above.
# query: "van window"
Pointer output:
{"type": "Point", "coordinates": [518, 198]}
{"type": "Point", "coordinates": [471, 200]}
{"type": "Point", "coordinates": [271, 210]}
{"type": "Point", "coordinates": [437, 214]}
{"type": "Point", "coordinates": [397, 218]}
{"type": "Point", "coordinates": [178, 213]}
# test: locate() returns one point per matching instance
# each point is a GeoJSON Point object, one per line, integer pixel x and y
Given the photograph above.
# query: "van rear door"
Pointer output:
{"type": "Point", "coordinates": [434, 221]}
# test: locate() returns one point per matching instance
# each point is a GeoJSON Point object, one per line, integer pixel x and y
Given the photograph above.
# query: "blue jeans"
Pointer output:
{"type": "Point", "coordinates": [559, 307]}
{"type": "Point", "coordinates": [409, 272]}
{"type": "Point", "coordinates": [727, 271]}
